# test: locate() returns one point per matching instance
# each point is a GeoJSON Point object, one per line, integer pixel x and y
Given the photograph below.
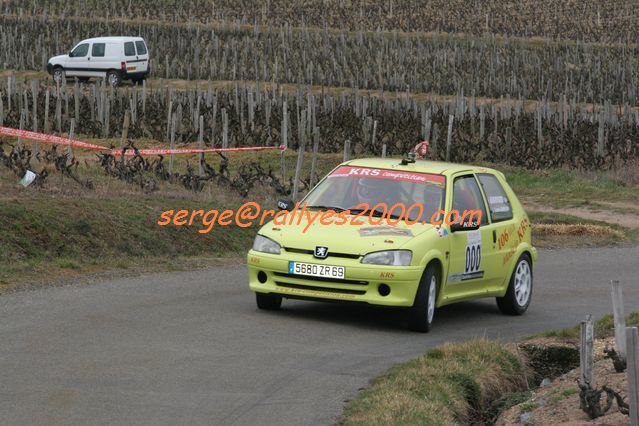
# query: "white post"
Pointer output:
{"type": "Point", "coordinates": [632, 345]}
{"type": "Point", "coordinates": [620, 321]}
{"type": "Point", "coordinates": [449, 137]}
{"type": "Point", "coordinates": [585, 352]}
{"type": "Point", "coordinates": [347, 150]}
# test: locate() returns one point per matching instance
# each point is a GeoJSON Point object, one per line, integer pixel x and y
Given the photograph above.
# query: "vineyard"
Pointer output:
{"type": "Point", "coordinates": [598, 20]}
{"type": "Point", "coordinates": [485, 66]}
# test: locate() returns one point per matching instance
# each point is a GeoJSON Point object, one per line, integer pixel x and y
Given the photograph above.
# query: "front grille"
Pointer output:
{"type": "Point", "coordinates": [321, 279]}
{"type": "Point", "coordinates": [325, 289]}
{"type": "Point", "coordinates": [330, 254]}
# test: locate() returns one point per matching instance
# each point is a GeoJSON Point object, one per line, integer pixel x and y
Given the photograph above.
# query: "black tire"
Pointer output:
{"type": "Point", "coordinates": [513, 302]}
{"type": "Point", "coordinates": [58, 74]}
{"type": "Point", "coordinates": [268, 302]}
{"type": "Point", "coordinates": [418, 317]}
{"type": "Point", "coordinates": [114, 78]}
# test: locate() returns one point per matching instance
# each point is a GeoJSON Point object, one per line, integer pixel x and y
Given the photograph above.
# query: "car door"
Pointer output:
{"type": "Point", "coordinates": [98, 59]}
{"type": "Point", "coordinates": [471, 251]}
{"type": "Point", "coordinates": [503, 227]}
{"type": "Point", "coordinates": [79, 61]}
{"type": "Point", "coordinates": [142, 56]}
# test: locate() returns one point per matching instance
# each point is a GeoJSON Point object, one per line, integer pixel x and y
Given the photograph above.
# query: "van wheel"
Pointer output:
{"type": "Point", "coordinates": [423, 311]}
{"type": "Point", "coordinates": [268, 302]}
{"type": "Point", "coordinates": [58, 74]}
{"type": "Point", "coordinates": [114, 79]}
{"type": "Point", "coordinates": [517, 297]}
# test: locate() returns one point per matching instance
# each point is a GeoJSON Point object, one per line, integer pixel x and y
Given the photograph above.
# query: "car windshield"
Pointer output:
{"type": "Point", "coordinates": [347, 187]}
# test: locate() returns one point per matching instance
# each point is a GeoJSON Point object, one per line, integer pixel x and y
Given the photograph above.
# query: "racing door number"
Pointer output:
{"type": "Point", "coordinates": [473, 252]}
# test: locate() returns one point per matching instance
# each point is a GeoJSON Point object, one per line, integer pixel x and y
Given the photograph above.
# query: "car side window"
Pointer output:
{"type": "Point", "coordinates": [80, 51]}
{"type": "Point", "coordinates": [140, 47]}
{"type": "Point", "coordinates": [498, 202]}
{"type": "Point", "coordinates": [467, 198]}
{"type": "Point", "coordinates": [97, 50]}
{"type": "Point", "coordinates": [129, 48]}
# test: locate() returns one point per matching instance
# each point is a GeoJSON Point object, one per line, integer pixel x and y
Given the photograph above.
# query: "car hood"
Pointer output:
{"type": "Point", "coordinates": [347, 238]}
{"type": "Point", "coordinates": [58, 58]}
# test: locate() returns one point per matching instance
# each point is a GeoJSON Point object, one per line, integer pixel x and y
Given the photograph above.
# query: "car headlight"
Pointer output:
{"type": "Point", "coordinates": [266, 245]}
{"type": "Point", "coordinates": [389, 257]}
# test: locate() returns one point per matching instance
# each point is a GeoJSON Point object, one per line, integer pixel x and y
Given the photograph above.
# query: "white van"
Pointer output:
{"type": "Point", "coordinates": [116, 58]}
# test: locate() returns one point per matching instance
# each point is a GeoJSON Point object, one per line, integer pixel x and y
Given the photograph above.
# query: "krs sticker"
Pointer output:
{"type": "Point", "coordinates": [473, 252]}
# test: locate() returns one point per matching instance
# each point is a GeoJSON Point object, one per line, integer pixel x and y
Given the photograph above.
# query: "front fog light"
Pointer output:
{"type": "Point", "coordinates": [389, 257]}
{"type": "Point", "coordinates": [265, 245]}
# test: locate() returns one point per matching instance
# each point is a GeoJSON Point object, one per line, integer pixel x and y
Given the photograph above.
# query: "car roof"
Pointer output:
{"type": "Point", "coordinates": [435, 167]}
{"type": "Point", "coordinates": [111, 38]}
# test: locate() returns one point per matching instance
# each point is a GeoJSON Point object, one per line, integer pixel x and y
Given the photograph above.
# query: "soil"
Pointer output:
{"type": "Point", "coordinates": [558, 401]}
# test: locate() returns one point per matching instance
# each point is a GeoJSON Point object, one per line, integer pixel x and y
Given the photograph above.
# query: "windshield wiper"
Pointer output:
{"type": "Point", "coordinates": [335, 209]}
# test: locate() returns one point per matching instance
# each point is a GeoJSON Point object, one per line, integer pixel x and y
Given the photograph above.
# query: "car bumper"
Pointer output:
{"type": "Point", "coordinates": [360, 284]}
{"type": "Point", "coordinates": [133, 75]}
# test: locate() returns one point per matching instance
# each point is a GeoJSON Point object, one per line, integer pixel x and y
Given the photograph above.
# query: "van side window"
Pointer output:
{"type": "Point", "coordinates": [141, 47]}
{"type": "Point", "coordinates": [129, 48]}
{"type": "Point", "coordinates": [498, 202]}
{"type": "Point", "coordinates": [97, 49]}
{"type": "Point", "coordinates": [80, 51]}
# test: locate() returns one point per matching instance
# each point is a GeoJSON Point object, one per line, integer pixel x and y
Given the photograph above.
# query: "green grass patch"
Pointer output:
{"type": "Point", "coordinates": [44, 234]}
{"type": "Point", "coordinates": [603, 327]}
{"type": "Point", "coordinates": [450, 384]}
{"type": "Point", "coordinates": [569, 187]}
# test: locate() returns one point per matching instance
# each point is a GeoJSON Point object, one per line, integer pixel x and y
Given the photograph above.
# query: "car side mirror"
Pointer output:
{"type": "Point", "coordinates": [70, 54]}
{"type": "Point", "coordinates": [285, 204]}
{"type": "Point", "coordinates": [467, 226]}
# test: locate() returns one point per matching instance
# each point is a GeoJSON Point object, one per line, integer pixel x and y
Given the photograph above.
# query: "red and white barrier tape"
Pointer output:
{"type": "Point", "coordinates": [56, 140]}
{"type": "Point", "coordinates": [130, 153]}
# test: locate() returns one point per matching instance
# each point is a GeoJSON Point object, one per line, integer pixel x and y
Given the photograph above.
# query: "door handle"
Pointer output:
{"type": "Point", "coordinates": [494, 236]}
{"type": "Point", "coordinates": [88, 59]}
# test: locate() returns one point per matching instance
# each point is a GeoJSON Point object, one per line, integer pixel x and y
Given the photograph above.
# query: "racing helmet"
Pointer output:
{"type": "Point", "coordinates": [375, 190]}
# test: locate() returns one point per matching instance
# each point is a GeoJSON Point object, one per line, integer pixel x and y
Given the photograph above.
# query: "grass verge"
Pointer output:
{"type": "Point", "coordinates": [604, 327]}
{"type": "Point", "coordinates": [47, 237]}
{"type": "Point", "coordinates": [449, 384]}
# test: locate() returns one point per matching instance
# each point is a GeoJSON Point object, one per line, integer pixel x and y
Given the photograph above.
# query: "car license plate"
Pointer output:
{"type": "Point", "coordinates": [315, 270]}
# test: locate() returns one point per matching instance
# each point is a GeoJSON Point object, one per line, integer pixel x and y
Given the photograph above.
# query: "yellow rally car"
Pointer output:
{"type": "Point", "coordinates": [396, 253]}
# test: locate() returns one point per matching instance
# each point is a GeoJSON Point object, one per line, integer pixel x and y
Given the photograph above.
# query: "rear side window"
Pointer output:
{"type": "Point", "coordinates": [97, 49]}
{"type": "Point", "coordinates": [141, 47]}
{"type": "Point", "coordinates": [129, 48]}
{"type": "Point", "coordinates": [80, 51]}
{"type": "Point", "coordinates": [498, 202]}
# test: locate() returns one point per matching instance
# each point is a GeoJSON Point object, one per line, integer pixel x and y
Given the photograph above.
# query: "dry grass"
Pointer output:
{"type": "Point", "coordinates": [451, 384]}
{"type": "Point", "coordinates": [577, 230]}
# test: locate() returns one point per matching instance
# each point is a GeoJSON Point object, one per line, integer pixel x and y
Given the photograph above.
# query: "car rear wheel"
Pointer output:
{"type": "Point", "coordinates": [58, 75]}
{"type": "Point", "coordinates": [423, 311]}
{"type": "Point", "coordinates": [519, 293]}
{"type": "Point", "coordinates": [268, 302]}
{"type": "Point", "coordinates": [114, 78]}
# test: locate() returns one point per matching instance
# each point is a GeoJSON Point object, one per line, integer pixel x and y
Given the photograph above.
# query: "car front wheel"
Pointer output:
{"type": "Point", "coordinates": [423, 311]}
{"type": "Point", "coordinates": [268, 302]}
{"type": "Point", "coordinates": [519, 293]}
{"type": "Point", "coordinates": [58, 74]}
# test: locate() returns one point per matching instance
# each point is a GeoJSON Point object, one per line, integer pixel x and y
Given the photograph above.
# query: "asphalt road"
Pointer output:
{"type": "Point", "coordinates": [191, 348]}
